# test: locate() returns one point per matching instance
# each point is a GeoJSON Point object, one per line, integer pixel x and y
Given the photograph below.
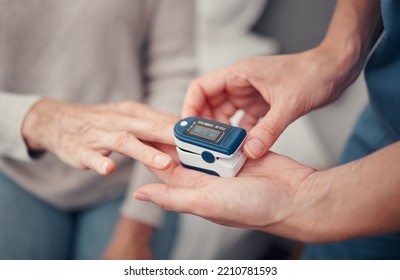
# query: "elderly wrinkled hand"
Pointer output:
{"type": "Point", "coordinates": [83, 136]}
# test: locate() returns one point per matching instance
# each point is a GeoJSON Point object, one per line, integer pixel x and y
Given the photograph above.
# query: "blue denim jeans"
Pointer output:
{"type": "Point", "coordinates": [33, 229]}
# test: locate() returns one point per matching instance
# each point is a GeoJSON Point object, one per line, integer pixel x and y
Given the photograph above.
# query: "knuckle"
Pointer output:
{"type": "Point", "coordinates": [156, 125]}
{"type": "Point", "coordinates": [237, 73]}
{"type": "Point", "coordinates": [245, 63]}
{"type": "Point", "coordinates": [164, 205]}
{"type": "Point", "coordinates": [90, 139]}
{"type": "Point", "coordinates": [166, 202]}
{"type": "Point", "coordinates": [195, 83]}
{"type": "Point", "coordinates": [121, 139]}
{"type": "Point", "coordinates": [247, 68]}
{"type": "Point", "coordinates": [145, 153]}
{"type": "Point", "coordinates": [86, 159]}
{"type": "Point", "coordinates": [125, 106]}
{"type": "Point", "coordinates": [81, 164]}
{"type": "Point", "coordinates": [77, 162]}
{"type": "Point", "coordinates": [130, 104]}
{"type": "Point", "coordinates": [82, 167]}
{"type": "Point", "coordinates": [196, 87]}
{"type": "Point", "coordinates": [270, 129]}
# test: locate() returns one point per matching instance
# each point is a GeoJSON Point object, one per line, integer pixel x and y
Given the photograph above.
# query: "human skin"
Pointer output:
{"type": "Point", "coordinates": [84, 135]}
{"type": "Point", "coordinates": [280, 89]}
{"type": "Point", "coordinates": [130, 241]}
{"type": "Point", "coordinates": [273, 193]}
{"type": "Point", "coordinates": [278, 195]}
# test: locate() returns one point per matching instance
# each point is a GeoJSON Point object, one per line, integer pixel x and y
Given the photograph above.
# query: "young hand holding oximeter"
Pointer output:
{"type": "Point", "coordinates": [210, 146]}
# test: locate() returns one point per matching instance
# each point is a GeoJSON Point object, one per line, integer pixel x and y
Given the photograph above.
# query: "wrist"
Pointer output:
{"type": "Point", "coordinates": [323, 200]}
{"type": "Point", "coordinates": [339, 65]}
{"type": "Point", "coordinates": [340, 55]}
{"type": "Point", "coordinates": [354, 29]}
{"type": "Point", "coordinates": [302, 221]}
{"type": "Point", "coordinates": [311, 199]}
{"type": "Point", "coordinates": [33, 127]}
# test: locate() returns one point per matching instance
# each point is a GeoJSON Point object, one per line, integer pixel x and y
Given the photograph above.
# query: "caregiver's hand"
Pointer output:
{"type": "Point", "coordinates": [278, 89]}
{"type": "Point", "coordinates": [84, 135]}
{"type": "Point", "coordinates": [264, 196]}
{"type": "Point", "coordinates": [279, 195]}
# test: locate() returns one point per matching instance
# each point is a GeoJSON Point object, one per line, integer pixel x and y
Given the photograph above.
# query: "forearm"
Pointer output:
{"type": "Point", "coordinates": [356, 199]}
{"type": "Point", "coordinates": [354, 29]}
{"type": "Point", "coordinates": [355, 26]}
{"type": "Point", "coordinates": [351, 200]}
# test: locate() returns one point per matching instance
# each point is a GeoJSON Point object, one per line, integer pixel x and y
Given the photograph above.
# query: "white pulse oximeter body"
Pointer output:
{"type": "Point", "coordinates": [210, 146]}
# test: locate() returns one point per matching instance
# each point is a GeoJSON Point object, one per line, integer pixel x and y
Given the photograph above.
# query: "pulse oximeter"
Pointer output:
{"type": "Point", "coordinates": [210, 146]}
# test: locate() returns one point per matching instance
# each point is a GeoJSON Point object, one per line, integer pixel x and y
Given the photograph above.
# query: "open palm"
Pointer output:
{"type": "Point", "coordinates": [260, 196]}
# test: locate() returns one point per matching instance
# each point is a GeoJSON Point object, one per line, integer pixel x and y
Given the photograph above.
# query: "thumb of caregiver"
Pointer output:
{"type": "Point", "coordinates": [272, 91]}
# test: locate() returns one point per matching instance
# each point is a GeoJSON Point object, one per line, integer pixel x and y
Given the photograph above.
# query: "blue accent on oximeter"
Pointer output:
{"type": "Point", "coordinates": [210, 135]}
{"type": "Point", "coordinates": [207, 157]}
{"type": "Point", "coordinates": [211, 172]}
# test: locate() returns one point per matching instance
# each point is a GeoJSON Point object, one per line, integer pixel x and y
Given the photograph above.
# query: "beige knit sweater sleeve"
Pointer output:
{"type": "Point", "coordinates": [13, 108]}
{"type": "Point", "coordinates": [169, 67]}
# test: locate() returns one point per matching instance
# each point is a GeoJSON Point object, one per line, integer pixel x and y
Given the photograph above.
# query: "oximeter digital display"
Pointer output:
{"type": "Point", "coordinates": [204, 132]}
{"type": "Point", "coordinates": [210, 146]}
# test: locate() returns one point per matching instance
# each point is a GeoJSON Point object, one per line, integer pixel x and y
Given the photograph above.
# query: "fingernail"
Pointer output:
{"type": "Point", "coordinates": [141, 196]}
{"type": "Point", "coordinates": [254, 147]}
{"type": "Point", "coordinates": [162, 160]}
{"type": "Point", "coordinates": [104, 167]}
